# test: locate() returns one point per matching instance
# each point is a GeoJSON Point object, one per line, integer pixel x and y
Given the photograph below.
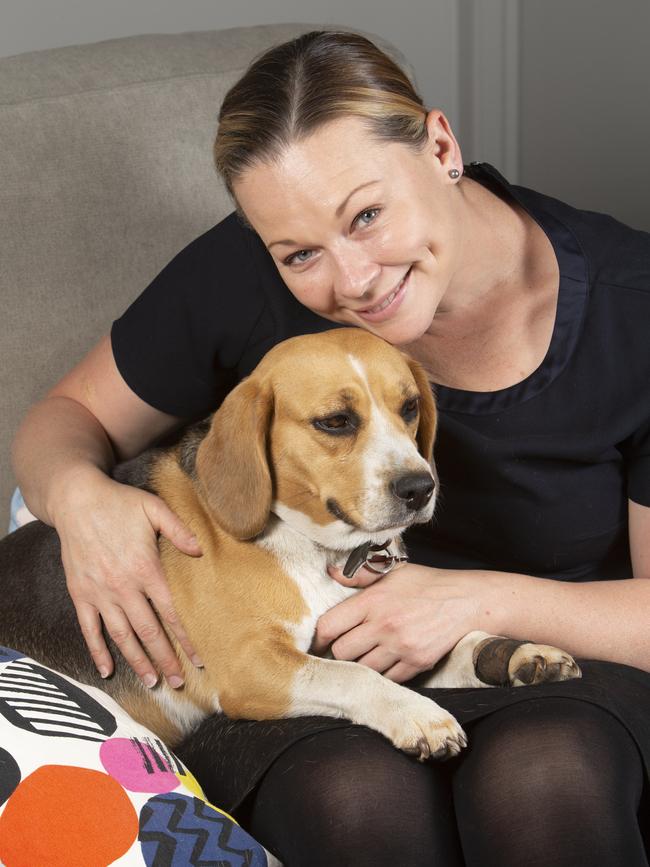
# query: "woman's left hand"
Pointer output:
{"type": "Point", "coordinates": [405, 622]}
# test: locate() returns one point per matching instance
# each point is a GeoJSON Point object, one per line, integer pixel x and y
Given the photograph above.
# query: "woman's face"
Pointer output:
{"type": "Point", "coordinates": [363, 232]}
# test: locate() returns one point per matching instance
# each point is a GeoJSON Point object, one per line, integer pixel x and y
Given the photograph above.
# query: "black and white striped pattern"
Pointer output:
{"type": "Point", "coordinates": [37, 700]}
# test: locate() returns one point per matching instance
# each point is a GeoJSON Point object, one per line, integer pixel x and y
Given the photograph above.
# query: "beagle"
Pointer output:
{"type": "Point", "coordinates": [325, 449]}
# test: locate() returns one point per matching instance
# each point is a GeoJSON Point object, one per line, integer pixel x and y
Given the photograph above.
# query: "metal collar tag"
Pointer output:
{"type": "Point", "coordinates": [377, 558]}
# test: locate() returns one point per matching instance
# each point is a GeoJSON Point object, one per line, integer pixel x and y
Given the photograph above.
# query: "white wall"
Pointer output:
{"type": "Point", "coordinates": [424, 30]}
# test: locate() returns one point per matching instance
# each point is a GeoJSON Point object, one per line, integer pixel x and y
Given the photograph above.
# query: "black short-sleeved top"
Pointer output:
{"type": "Point", "coordinates": [535, 478]}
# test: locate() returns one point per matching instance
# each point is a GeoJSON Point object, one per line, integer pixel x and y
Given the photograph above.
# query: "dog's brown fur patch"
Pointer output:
{"type": "Point", "coordinates": [235, 618]}
{"type": "Point", "coordinates": [144, 708]}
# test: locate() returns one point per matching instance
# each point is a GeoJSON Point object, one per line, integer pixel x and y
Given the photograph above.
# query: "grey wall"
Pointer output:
{"type": "Point", "coordinates": [582, 126]}
{"type": "Point", "coordinates": [424, 30]}
{"type": "Point", "coordinates": [584, 108]}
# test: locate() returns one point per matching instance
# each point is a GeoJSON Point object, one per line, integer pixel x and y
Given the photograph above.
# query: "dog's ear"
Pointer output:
{"type": "Point", "coordinates": [428, 416]}
{"type": "Point", "coordinates": [231, 463]}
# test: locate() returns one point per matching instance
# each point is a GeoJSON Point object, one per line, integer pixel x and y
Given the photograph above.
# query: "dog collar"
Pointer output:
{"type": "Point", "coordinates": [377, 558]}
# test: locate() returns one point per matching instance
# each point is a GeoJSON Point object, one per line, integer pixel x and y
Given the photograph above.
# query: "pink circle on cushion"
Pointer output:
{"type": "Point", "coordinates": [139, 764]}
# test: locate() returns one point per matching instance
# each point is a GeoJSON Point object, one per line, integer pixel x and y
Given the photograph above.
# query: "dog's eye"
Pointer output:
{"type": "Point", "coordinates": [338, 424]}
{"type": "Point", "coordinates": [409, 409]}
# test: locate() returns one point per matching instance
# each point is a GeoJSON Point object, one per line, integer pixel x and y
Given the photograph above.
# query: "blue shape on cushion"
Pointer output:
{"type": "Point", "coordinates": [179, 830]}
{"type": "Point", "coordinates": [8, 653]}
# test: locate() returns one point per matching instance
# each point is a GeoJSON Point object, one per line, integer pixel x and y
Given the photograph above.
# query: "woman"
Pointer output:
{"type": "Point", "coordinates": [528, 316]}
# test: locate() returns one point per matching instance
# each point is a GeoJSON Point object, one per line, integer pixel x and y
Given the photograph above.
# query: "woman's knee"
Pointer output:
{"type": "Point", "coordinates": [544, 776]}
{"type": "Point", "coordinates": [552, 745]}
{"type": "Point", "coordinates": [356, 799]}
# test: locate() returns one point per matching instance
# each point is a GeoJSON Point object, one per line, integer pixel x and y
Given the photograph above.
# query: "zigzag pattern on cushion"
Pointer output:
{"type": "Point", "coordinates": [175, 830]}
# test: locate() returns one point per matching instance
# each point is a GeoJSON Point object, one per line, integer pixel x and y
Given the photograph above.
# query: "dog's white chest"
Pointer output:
{"type": "Point", "coordinates": [320, 594]}
{"type": "Point", "coordinates": [306, 564]}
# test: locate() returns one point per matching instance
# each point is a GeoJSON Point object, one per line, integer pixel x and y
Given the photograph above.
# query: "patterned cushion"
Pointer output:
{"type": "Point", "coordinates": [83, 785]}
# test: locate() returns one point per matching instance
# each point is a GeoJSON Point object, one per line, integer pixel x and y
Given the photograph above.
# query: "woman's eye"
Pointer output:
{"type": "Point", "coordinates": [409, 409]}
{"type": "Point", "coordinates": [366, 217]}
{"type": "Point", "coordinates": [301, 256]}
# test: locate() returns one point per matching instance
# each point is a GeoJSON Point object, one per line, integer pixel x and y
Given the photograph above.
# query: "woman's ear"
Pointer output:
{"type": "Point", "coordinates": [443, 144]}
{"type": "Point", "coordinates": [426, 432]}
{"type": "Point", "coordinates": [231, 463]}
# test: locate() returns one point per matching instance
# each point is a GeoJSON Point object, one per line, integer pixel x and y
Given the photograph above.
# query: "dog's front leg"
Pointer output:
{"type": "Point", "coordinates": [412, 722]}
{"type": "Point", "coordinates": [481, 659]}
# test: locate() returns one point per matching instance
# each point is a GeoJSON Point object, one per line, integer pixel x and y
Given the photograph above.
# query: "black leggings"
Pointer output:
{"type": "Point", "coordinates": [552, 782]}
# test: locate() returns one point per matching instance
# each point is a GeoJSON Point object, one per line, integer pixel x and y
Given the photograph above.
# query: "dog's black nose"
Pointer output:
{"type": "Point", "coordinates": [415, 489]}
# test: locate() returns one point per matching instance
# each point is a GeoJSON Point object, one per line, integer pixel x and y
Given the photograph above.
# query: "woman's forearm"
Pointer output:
{"type": "Point", "coordinates": [595, 619]}
{"type": "Point", "coordinates": [58, 443]}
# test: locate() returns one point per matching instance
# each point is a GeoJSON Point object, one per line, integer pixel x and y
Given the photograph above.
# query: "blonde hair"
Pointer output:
{"type": "Point", "coordinates": [294, 88]}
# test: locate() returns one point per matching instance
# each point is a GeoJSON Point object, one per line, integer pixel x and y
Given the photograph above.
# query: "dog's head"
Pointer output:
{"type": "Point", "coordinates": [333, 433]}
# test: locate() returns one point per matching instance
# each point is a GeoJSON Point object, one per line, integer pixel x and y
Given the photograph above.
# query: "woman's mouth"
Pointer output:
{"type": "Point", "coordinates": [388, 307]}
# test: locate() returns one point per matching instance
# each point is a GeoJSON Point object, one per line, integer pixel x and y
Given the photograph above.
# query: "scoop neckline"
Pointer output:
{"type": "Point", "coordinates": [572, 295]}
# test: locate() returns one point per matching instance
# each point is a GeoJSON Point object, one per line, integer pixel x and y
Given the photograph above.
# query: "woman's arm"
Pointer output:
{"type": "Point", "coordinates": [639, 523]}
{"type": "Point", "coordinates": [89, 419]}
{"type": "Point", "coordinates": [595, 619]}
{"type": "Point", "coordinates": [62, 453]}
{"type": "Point", "coordinates": [404, 623]}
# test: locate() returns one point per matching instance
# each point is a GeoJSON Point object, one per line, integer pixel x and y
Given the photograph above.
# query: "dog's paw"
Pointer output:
{"type": "Point", "coordinates": [423, 729]}
{"type": "Point", "coordinates": [540, 663]}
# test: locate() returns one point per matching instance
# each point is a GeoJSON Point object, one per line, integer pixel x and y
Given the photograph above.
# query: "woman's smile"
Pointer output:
{"type": "Point", "coordinates": [389, 305]}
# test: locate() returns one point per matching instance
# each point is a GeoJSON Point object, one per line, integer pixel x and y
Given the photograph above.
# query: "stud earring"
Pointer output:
{"type": "Point", "coordinates": [454, 173]}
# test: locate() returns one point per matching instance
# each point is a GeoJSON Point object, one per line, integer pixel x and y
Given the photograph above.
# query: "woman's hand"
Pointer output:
{"type": "Point", "coordinates": [109, 549]}
{"type": "Point", "coordinates": [405, 622]}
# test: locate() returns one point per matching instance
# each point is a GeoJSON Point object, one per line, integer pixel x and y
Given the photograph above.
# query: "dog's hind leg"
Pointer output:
{"type": "Point", "coordinates": [480, 659]}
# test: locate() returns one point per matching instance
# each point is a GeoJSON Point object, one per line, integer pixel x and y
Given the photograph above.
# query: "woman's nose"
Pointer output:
{"type": "Point", "coordinates": [357, 274]}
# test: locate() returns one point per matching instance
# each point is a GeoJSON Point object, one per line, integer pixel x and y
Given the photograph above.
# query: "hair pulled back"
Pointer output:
{"type": "Point", "coordinates": [294, 88]}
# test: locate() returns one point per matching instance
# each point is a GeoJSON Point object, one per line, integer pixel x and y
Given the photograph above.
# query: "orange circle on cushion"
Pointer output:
{"type": "Point", "coordinates": [66, 817]}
